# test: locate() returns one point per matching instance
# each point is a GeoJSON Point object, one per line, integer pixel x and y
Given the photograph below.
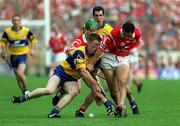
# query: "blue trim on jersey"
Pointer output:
{"type": "Point", "coordinates": [18, 59]}
{"type": "Point", "coordinates": [86, 49]}
{"type": "Point", "coordinates": [5, 36]}
{"type": "Point", "coordinates": [59, 71]}
{"type": "Point", "coordinates": [29, 34]}
{"type": "Point", "coordinates": [70, 59]}
{"type": "Point", "coordinates": [104, 22]}
{"type": "Point", "coordinates": [78, 52]}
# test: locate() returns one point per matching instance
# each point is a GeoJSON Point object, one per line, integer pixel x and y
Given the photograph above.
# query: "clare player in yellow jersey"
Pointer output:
{"type": "Point", "coordinates": [66, 75]}
{"type": "Point", "coordinates": [18, 41]}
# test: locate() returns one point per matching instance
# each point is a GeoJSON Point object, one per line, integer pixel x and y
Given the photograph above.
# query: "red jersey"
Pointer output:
{"type": "Point", "coordinates": [79, 41]}
{"type": "Point", "coordinates": [58, 44]}
{"type": "Point", "coordinates": [118, 45]}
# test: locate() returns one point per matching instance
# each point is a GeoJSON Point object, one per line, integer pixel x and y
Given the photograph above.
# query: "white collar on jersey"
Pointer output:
{"type": "Point", "coordinates": [84, 38]}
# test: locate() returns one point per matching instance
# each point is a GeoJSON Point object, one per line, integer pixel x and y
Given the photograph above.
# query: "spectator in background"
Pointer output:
{"type": "Point", "coordinates": [170, 72]}
{"type": "Point", "coordinates": [57, 43]}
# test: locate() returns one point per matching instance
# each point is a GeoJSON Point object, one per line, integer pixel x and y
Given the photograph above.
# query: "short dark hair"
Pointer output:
{"type": "Point", "coordinates": [16, 15]}
{"type": "Point", "coordinates": [128, 27]}
{"type": "Point", "coordinates": [98, 8]}
{"type": "Point", "coordinates": [95, 36]}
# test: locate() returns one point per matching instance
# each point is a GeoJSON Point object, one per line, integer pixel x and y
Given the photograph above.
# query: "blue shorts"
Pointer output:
{"type": "Point", "coordinates": [18, 59]}
{"type": "Point", "coordinates": [59, 71]}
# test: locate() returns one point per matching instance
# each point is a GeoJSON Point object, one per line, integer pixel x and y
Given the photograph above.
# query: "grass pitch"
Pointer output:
{"type": "Point", "coordinates": [159, 104]}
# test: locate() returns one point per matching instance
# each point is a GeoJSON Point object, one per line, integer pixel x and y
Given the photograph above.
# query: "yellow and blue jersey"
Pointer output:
{"type": "Point", "coordinates": [76, 59]}
{"type": "Point", "coordinates": [104, 30]}
{"type": "Point", "coordinates": [18, 40]}
{"type": "Point", "coordinates": [2, 43]}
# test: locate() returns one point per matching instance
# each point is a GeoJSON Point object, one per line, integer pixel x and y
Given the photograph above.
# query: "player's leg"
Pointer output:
{"type": "Point", "coordinates": [88, 101]}
{"type": "Point", "coordinates": [108, 62]}
{"type": "Point", "coordinates": [130, 97]}
{"type": "Point", "coordinates": [60, 92]}
{"type": "Point", "coordinates": [72, 90]}
{"type": "Point", "coordinates": [134, 60]}
{"type": "Point", "coordinates": [19, 81]}
{"type": "Point", "coordinates": [48, 90]}
{"type": "Point", "coordinates": [19, 65]}
{"type": "Point", "coordinates": [112, 84]}
{"type": "Point", "coordinates": [58, 95]}
{"type": "Point", "coordinates": [21, 77]}
{"type": "Point", "coordinates": [138, 84]}
{"type": "Point", "coordinates": [122, 75]}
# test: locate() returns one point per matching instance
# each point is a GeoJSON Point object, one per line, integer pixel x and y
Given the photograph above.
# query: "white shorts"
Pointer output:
{"type": "Point", "coordinates": [112, 62]}
{"type": "Point", "coordinates": [60, 57]}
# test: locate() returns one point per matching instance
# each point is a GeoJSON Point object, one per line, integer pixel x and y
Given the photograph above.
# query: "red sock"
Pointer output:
{"type": "Point", "coordinates": [82, 109]}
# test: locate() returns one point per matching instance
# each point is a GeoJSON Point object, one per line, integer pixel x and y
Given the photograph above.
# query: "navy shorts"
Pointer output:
{"type": "Point", "coordinates": [59, 71]}
{"type": "Point", "coordinates": [18, 59]}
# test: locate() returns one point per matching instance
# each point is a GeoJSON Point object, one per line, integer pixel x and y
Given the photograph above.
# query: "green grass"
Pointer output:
{"type": "Point", "coordinates": [159, 103]}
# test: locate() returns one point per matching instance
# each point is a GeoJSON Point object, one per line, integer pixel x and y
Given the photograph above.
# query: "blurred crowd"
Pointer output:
{"type": "Point", "coordinates": [159, 20]}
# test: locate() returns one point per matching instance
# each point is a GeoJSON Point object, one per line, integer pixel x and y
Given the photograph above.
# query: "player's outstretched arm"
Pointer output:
{"type": "Point", "coordinates": [87, 76]}
{"type": "Point", "coordinates": [94, 59]}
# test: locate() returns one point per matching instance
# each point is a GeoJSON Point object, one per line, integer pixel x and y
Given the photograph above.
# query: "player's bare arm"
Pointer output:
{"type": "Point", "coordinates": [94, 59]}
{"type": "Point", "coordinates": [87, 76]}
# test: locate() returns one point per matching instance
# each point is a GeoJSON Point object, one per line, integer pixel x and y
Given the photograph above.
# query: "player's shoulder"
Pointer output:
{"type": "Point", "coordinates": [77, 40]}
{"type": "Point", "coordinates": [108, 26]}
{"type": "Point", "coordinates": [24, 28]}
{"type": "Point", "coordinates": [81, 50]}
{"type": "Point", "coordinates": [8, 29]}
{"type": "Point", "coordinates": [78, 49]}
{"type": "Point", "coordinates": [116, 30]}
{"type": "Point", "coordinates": [138, 32]}
{"type": "Point", "coordinates": [79, 37]}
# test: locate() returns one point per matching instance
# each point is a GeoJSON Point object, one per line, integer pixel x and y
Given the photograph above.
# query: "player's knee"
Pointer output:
{"type": "Point", "coordinates": [19, 74]}
{"type": "Point", "coordinates": [74, 92]}
{"type": "Point", "coordinates": [48, 91]}
{"type": "Point", "coordinates": [122, 84]}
